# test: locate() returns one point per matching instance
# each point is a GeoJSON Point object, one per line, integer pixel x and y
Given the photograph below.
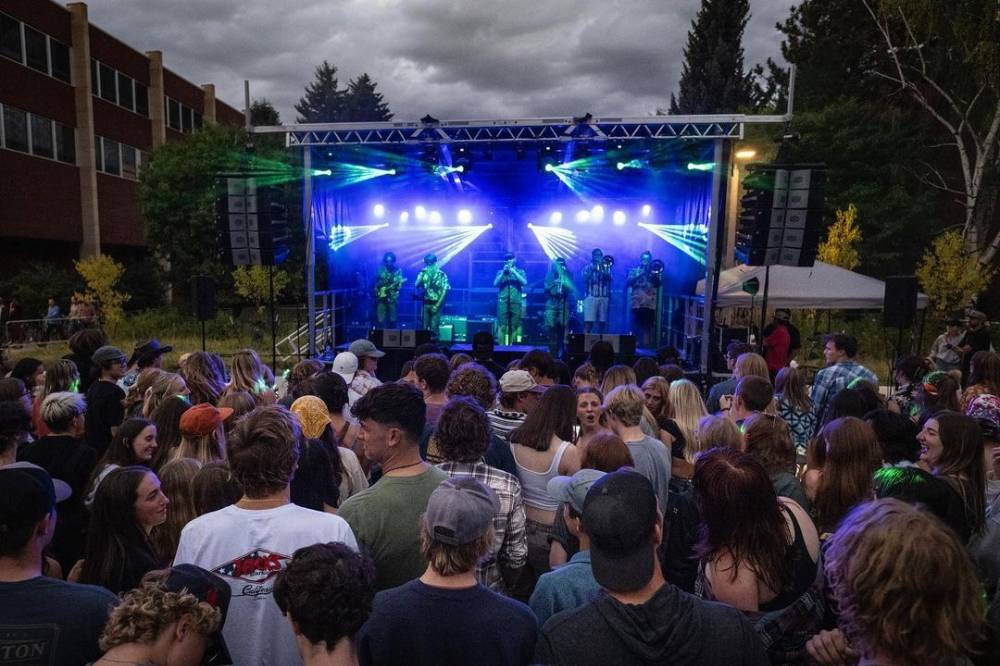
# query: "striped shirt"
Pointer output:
{"type": "Point", "coordinates": [504, 422]}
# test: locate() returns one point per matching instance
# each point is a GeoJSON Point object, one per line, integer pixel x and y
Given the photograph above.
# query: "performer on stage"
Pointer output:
{"type": "Point", "coordinates": [510, 280]}
{"type": "Point", "coordinates": [433, 284]}
{"type": "Point", "coordinates": [645, 284]}
{"type": "Point", "coordinates": [387, 285]}
{"type": "Point", "coordinates": [597, 282]}
{"type": "Point", "coordinates": [559, 290]}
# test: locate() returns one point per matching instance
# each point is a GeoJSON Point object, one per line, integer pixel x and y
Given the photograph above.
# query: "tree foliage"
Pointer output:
{"type": "Point", "coordinates": [840, 246]}
{"type": "Point", "coordinates": [325, 102]}
{"type": "Point", "coordinates": [262, 112]}
{"type": "Point", "coordinates": [101, 274]}
{"type": "Point", "coordinates": [364, 103]}
{"type": "Point", "coordinates": [253, 284]}
{"type": "Point", "coordinates": [950, 275]}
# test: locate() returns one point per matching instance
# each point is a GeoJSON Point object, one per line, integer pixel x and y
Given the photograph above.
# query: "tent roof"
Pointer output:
{"type": "Point", "coordinates": [822, 286]}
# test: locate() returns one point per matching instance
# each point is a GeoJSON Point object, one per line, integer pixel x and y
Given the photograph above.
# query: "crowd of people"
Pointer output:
{"type": "Point", "coordinates": [471, 511]}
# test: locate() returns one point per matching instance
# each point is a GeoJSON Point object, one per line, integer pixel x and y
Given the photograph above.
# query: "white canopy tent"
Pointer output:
{"type": "Point", "coordinates": [822, 286]}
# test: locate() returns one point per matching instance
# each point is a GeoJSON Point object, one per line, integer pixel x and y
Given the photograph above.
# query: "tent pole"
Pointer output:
{"type": "Point", "coordinates": [763, 307]}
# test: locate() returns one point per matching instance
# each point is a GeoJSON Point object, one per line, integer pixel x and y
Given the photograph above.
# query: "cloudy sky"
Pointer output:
{"type": "Point", "coordinates": [451, 58]}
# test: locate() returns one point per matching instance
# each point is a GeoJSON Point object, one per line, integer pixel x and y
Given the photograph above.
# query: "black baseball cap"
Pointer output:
{"type": "Point", "coordinates": [210, 589]}
{"type": "Point", "coordinates": [29, 494]}
{"type": "Point", "coordinates": [619, 516]}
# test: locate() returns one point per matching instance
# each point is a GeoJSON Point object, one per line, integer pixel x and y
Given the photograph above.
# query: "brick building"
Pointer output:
{"type": "Point", "coordinates": [79, 112]}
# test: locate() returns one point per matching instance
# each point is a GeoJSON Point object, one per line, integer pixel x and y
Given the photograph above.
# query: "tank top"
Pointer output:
{"type": "Point", "coordinates": [801, 566]}
{"type": "Point", "coordinates": [535, 485]}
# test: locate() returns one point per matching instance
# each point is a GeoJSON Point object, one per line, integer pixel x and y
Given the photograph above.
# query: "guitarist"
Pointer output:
{"type": "Point", "coordinates": [387, 285]}
{"type": "Point", "coordinates": [434, 284]}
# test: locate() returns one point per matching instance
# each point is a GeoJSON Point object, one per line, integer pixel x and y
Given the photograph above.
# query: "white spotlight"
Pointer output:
{"type": "Point", "coordinates": [378, 211]}
{"type": "Point", "coordinates": [404, 217]}
{"type": "Point", "coordinates": [582, 216]}
{"type": "Point", "coordinates": [555, 218]}
{"type": "Point", "coordinates": [464, 216]}
{"type": "Point", "coordinates": [597, 213]}
{"type": "Point", "coordinates": [434, 217]}
{"type": "Point", "coordinates": [619, 218]}
{"type": "Point", "coordinates": [647, 210]}
{"type": "Point", "coordinates": [420, 213]}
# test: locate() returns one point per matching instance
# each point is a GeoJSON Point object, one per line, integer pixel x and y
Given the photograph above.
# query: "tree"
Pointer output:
{"type": "Point", "coordinates": [363, 103]}
{"type": "Point", "coordinates": [101, 273]}
{"type": "Point", "coordinates": [839, 248]}
{"type": "Point", "coordinates": [262, 112]}
{"type": "Point", "coordinates": [253, 284]}
{"type": "Point", "coordinates": [950, 275]}
{"type": "Point", "coordinates": [323, 101]}
{"type": "Point", "coordinates": [713, 79]}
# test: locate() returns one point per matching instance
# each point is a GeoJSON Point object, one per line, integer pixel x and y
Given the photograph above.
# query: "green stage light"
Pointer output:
{"type": "Point", "coordinates": [701, 166]}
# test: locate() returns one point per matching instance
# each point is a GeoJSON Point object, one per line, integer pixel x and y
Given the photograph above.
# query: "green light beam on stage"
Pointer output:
{"type": "Point", "coordinates": [413, 242]}
{"type": "Point", "coordinates": [555, 241]}
{"type": "Point", "coordinates": [345, 175]}
{"type": "Point", "coordinates": [700, 166]}
{"type": "Point", "coordinates": [343, 236]}
{"type": "Point", "coordinates": [691, 239]}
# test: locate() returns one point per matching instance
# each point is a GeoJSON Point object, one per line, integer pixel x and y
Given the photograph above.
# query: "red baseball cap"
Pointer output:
{"type": "Point", "coordinates": [202, 419]}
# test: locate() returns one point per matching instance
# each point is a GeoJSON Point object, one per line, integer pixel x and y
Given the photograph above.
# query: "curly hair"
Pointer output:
{"type": "Point", "coordinates": [264, 449]}
{"type": "Point", "coordinates": [475, 381]}
{"type": "Point", "coordinates": [904, 585]}
{"type": "Point", "coordinates": [463, 431]}
{"type": "Point", "coordinates": [145, 612]}
{"type": "Point", "coordinates": [328, 590]}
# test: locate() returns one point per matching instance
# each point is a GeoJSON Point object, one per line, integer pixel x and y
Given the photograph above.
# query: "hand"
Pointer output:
{"type": "Point", "coordinates": [831, 648]}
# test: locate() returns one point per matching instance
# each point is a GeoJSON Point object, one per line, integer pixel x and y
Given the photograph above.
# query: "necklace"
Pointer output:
{"type": "Point", "coordinates": [393, 469]}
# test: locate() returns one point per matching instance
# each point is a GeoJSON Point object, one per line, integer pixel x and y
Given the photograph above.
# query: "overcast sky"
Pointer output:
{"type": "Point", "coordinates": [453, 59]}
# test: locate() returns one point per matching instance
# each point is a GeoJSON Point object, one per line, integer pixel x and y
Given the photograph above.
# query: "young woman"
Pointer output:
{"type": "Point", "coordinates": [588, 415]}
{"type": "Point", "coordinates": [128, 505]}
{"type": "Point", "coordinates": [134, 443]}
{"type": "Point", "coordinates": [852, 456]}
{"type": "Point", "coordinates": [214, 488]}
{"type": "Point", "coordinates": [910, 371]}
{"type": "Point", "coordinates": [136, 395]}
{"type": "Point", "coordinates": [204, 378]}
{"type": "Point", "coordinates": [795, 407]}
{"type": "Point", "coordinates": [241, 403]}
{"type": "Point", "coordinates": [167, 418]}
{"type": "Point", "coordinates": [688, 408]}
{"type": "Point", "coordinates": [984, 376]}
{"type": "Point", "coordinates": [939, 392]}
{"type": "Point", "coordinates": [716, 431]}
{"type": "Point", "coordinates": [317, 481]}
{"type": "Point", "coordinates": [249, 374]}
{"type": "Point", "coordinates": [769, 440]}
{"type": "Point", "coordinates": [177, 483]}
{"type": "Point", "coordinates": [165, 385]}
{"type": "Point", "coordinates": [952, 449]}
{"type": "Point", "coordinates": [656, 394]}
{"type": "Point", "coordinates": [617, 375]}
{"type": "Point", "coordinates": [202, 434]}
{"type": "Point", "coordinates": [60, 375]}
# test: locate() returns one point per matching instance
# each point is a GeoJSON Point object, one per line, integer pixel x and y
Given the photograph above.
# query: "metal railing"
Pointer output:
{"type": "Point", "coordinates": [35, 331]}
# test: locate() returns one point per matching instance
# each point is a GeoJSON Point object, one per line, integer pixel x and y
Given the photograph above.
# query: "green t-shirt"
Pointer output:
{"type": "Point", "coordinates": [386, 521]}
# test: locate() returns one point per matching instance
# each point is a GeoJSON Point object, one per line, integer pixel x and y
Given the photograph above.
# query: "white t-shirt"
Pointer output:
{"type": "Point", "coordinates": [248, 549]}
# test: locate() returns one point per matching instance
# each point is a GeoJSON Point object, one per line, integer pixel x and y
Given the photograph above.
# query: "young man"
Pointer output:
{"type": "Point", "coordinates": [945, 352]}
{"type": "Point", "coordinates": [446, 617]}
{"type": "Point", "coordinates": [733, 351]}
{"type": "Point", "coordinates": [368, 356]}
{"type": "Point", "coordinates": [52, 621]}
{"type": "Point", "coordinates": [975, 339]}
{"type": "Point", "coordinates": [432, 372]}
{"type": "Point", "coordinates": [840, 371]}
{"type": "Point", "coordinates": [386, 516]}
{"type": "Point", "coordinates": [753, 394]}
{"type": "Point", "coordinates": [326, 593]}
{"type": "Point", "coordinates": [147, 355]}
{"type": "Point", "coordinates": [248, 543]}
{"type": "Point", "coordinates": [519, 394]}
{"type": "Point", "coordinates": [623, 408]}
{"type": "Point", "coordinates": [597, 282]}
{"type": "Point", "coordinates": [572, 585]}
{"type": "Point", "coordinates": [641, 618]}
{"type": "Point", "coordinates": [105, 399]}
{"type": "Point", "coordinates": [541, 366]}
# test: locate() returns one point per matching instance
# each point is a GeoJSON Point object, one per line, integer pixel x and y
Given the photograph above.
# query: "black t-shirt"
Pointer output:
{"type": "Point", "coordinates": [979, 340]}
{"type": "Point", "coordinates": [105, 410]}
{"type": "Point", "coordinates": [313, 484]}
{"type": "Point", "coordinates": [51, 621]}
{"type": "Point", "coordinates": [678, 445]}
{"type": "Point", "coordinates": [86, 369]}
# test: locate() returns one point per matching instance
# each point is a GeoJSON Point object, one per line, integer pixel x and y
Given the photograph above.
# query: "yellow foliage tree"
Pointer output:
{"type": "Point", "coordinates": [840, 246]}
{"type": "Point", "coordinates": [950, 275]}
{"type": "Point", "coordinates": [101, 274]}
{"type": "Point", "coordinates": [252, 284]}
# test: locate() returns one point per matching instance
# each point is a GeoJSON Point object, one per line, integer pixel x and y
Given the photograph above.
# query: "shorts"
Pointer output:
{"type": "Point", "coordinates": [595, 308]}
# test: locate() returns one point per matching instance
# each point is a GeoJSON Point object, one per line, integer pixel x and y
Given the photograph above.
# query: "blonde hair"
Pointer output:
{"type": "Point", "coordinates": [617, 375]}
{"type": "Point", "coordinates": [205, 449]}
{"type": "Point", "coordinates": [626, 404]}
{"type": "Point", "coordinates": [714, 432]}
{"type": "Point", "coordinates": [587, 375]}
{"type": "Point", "coordinates": [164, 384]}
{"type": "Point", "coordinates": [59, 376]}
{"type": "Point", "coordinates": [904, 584]}
{"type": "Point", "coordinates": [751, 365]}
{"type": "Point", "coordinates": [143, 382]}
{"type": "Point", "coordinates": [688, 408]}
{"type": "Point", "coordinates": [203, 377]}
{"type": "Point", "coordinates": [177, 479]}
{"type": "Point", "coordinates": [660, 386]}
{"type": "Point", "coordinates": [448, 560]}
{"type": "Point", "coordinates": [147, 611]}
{"type": "Point", "coordinates": [249, 374]}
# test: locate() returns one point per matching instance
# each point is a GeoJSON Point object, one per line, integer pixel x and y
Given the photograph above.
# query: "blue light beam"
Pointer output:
{"type": "Point", "coordinates": [345, 235]}
{"type": "Point", "coordinates": [555, 241]}
{"type": "Point", "coordinates": [691, 239]}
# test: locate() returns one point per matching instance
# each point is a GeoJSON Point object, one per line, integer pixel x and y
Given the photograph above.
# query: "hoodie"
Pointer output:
{"type": "Point", "coordinates": [673, 627]}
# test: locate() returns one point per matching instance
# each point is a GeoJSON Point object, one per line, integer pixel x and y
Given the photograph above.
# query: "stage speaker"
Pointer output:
{"type": "Point", "coordinates": [581, 343]}
{"type": "Point", "coordinates": [900, 305]}
{"type": "Point", "coordinates": [203, 297]}
{"type": "Point", "coordinates": [389, 338]}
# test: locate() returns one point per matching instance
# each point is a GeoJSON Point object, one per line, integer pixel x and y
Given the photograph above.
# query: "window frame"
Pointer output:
{"type": "Point", "coordinates": [47, 68]}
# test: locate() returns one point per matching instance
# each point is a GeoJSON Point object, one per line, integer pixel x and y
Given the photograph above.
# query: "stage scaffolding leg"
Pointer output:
{"type": "Point", "coordinates": [310, 248]}
{"type": "Point", "coordinates": [716, 240]}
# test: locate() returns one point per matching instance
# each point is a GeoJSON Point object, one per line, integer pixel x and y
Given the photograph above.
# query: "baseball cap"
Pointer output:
{"type": "Point", "coordinates": [516, 381]}
{"type": "Point", "coordinates": [361, 348]}
{"type": "Point", "coordinates": [210, 589]}
{"type": "Point", "coordinates": [459, 510]}
{"type": "Point", "coordinates": [345, 364]}
{"type": "Point", "coordinates": [619, 515]}
{"type": "Point", "coordinates": [202, 419]}
{"type": "Point", "coordinates": [108, 353]}
{"type": "Point", "coordinates": [29, 494]}
{"type": "Point", "coordinates": [573, 489]}
{"type": "Point", "coordinates": [312, 414]}
{"type": "Point", "coordinates": [985, 408]}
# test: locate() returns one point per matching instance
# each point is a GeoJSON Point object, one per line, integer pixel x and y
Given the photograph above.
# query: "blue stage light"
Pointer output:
{"type": "Point", "coordinates": [434, 217]}
{"type": "Point", "coordinates": [464, 216]}
{"type": "Point", "coordinates": [549, 168]}
{"type": "Point", "coordinates": [582, 216]}
{"type": "Point", "coordinates": [378, 210]}
{"type": "Point", "coordinates": [646, 210]}
{"type": "Point", "coordinates": [555, 218]}
{"type": "Point", "coordinates": [345, 235]}
{"type": "Point", "coordinates": [597, 214]}
{"type": "Point", "coordinates": [619, 218]}
{"type": "Point", "coordinates": [404, 217]}
{"type": "Point", "coordinates": [420, 213]}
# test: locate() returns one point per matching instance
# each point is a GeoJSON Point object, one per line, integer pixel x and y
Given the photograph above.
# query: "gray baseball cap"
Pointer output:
{"type": "Point", "coordinates": [459, 510]}
{"type": "Point", "coordinates": [108, 353]}
{"type": "Point", "coordinates": [573, 489]}
{"type": "Point", "coordinates": [362, 348]}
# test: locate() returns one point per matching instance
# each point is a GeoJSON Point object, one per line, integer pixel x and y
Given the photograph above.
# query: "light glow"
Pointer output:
{"type": "Point", "coordinates": [619, 218]}
{"type": "Point", "coordinates": [345, 235]}
{"type": "Point", "coordinates": [691, 239]}
{"type": "Point", "coordinates": [555, 241]}
{"type": "Point", "coordinates": [464, 216]}
{"type": "Point", "coordinates": [378, 210]}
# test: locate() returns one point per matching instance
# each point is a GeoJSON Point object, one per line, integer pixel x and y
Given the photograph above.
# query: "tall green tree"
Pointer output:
{"type": "Point", "coordinates": [262, 112]}
{"type": "Point", "coordinates": [364, 103]}
{"type": "Point", "coordinates": [324, 101]}
{"type": "Point", "coordinates": [713, 79]}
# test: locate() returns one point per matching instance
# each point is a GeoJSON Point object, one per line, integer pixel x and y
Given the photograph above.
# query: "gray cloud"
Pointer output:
{"type": "Point", "coordinates": [452, 58]}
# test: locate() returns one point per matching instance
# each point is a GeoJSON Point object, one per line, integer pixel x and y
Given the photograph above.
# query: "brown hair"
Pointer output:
{"type": "Point", "coordinates": [790, 386]}
{"type": "Point", "coordinates": [264, 449]}
{"type": "Point", "coordinates": [587, 374]}
{"type": "Point", "coordinates": [59, 376]}
{"type": "Point", "coordinates": [457, 360]}
{"type": "Point", "coordinates": [203, 378]}
{"type": "Point", "coordinates": [448, 560]}
{"type": "Point", "coordinates": [204, 448]}
{"type": "Point", "coordinates": [769, 439]}
{"type": "Point", "coordinates": [475, 381]}
{"type": "Point", "coordinates": [463, 431]}
{"type": "Point", "coordinates": [164, 385]}
{"type": "Point", "coordinates": [852, 457]}
{"type": "Point", "coordinates": [617, 375]}
{"type": "Point", "coordinates": [144, 381]}
{"type": "Point", "coordinates": [750, 364]}
{"type": "Point", "coordinates": [214, 488]}
{"type": "Point", "coordinates": [985, 370]}
{"type": "Point", "coordinates": [554, 415]}
{"type": "Point", "coordinates": [715, 432]}
{"type": "Point", "coordinates": [755, 392]}
{"type": "Point", "coordinates": [176, 482]}
{"type": "Point", "coordinates": [241, 402]}
{"type": "Point", "coordinates": [606, 452]}
{"type": "Point", "coordinates": [961, 463]}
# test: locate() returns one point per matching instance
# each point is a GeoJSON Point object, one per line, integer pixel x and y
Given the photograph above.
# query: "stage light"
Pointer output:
{"type": "Point", "coordinates": [555, 218]}
{"type": "Point", "coordinates": [619, 218]}
{"type": "Point", "coordinates": [378, 210]}
{"type": "Point", "coordinates": [464, 216]}
{"type": "Point", "coordinates": [646, 210]}
{"type": "Point", "coordinates": [555, 241]}
{"type": "Point", "coordinates": [549, 168]}
{"type": "Point", "coordinates": [746, 154]}
{"type": "Point", "coordinates": [345, 235]}
{"type": "Point", "coordinates": [691, 239]}
{"type": "Point", "coordinates": [420, 213]}
{"type": "Point", "coordinates": [700, 166]}
{"type": "Point", "coordinates": [443, 170]}
{"type": "Point", "coordinates": [321, 172]}
{"type": "Point", "coordinates": [404, 217]}
{"type": "Point", "coordinates": [434, 217]}
{"type": "Point", "coordinates": [392, 172]}
{"type": "Point", "coordinates": [621, 166]}
{"type": "Point", "coordinates": [631, 164]}
{"type": "Point", "coordinates": [597, 214]}
{"type": "Point", "coordinates": [582, 216]}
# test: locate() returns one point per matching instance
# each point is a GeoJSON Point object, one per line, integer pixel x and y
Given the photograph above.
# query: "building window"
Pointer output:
{"type": "Point", "coordinates": [10, 37]}
{"type": "Point", "coordinates": [129, 166]}
{"type": "Point", "coordinates": [59, 57]}
{"type": "Point", "coordinates": [36, 49]}
{"type": "Point", "coordinates": [107, 75]}
{"type": "Point", "coordinates": [197, 120]}
{"type": "Point", "coordinates": [188, 117]}
{"type": "Point", "coordinates": [174, 114]}
{"type": "Point", "coordinates": [15, 129]}
{"type": "Point", "coordinates": [125, 97]}
{"type": "Point", "coordinates": [41, 136]}
{"type": "Point", "coordinates": [141, 99]}
{"type": "Point", "coordinates": [112, 162]}
{"type": "Point", "coordinates": [65, 144]}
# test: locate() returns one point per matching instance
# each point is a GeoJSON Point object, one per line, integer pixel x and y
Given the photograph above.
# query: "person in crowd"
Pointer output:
{"type": "Point", "coordinates": [588, 415]}
{"type": "Point", "coordinates": [939, 392]}
{"type": "Point", "coordinates": [586, 376]}
{"type": "Point", "coordinates": [896, 435]}
{"type": "Point", "coordinates": [623, 411]}
{"type": "Point", "coordinates": [326, 592]}
{"type": "Point", "coordinates": [332, 390]}
{"type": "Point", "coordinates": [386, 516]}
{"type": "Point", "coordinates": [458, 359]}
{"type": "Point", "coordinates": [733, 351]}
{"type": "Point", "coordinates": [41, 614]}
{"type": "Point", "coordinates": [753, 395]}
{"type": "Point", "coordinates": [167, 419]}
{"type": "Point", "coordinates": [541, 366]}
{"type": "Point", "coordinates": [301, 371]}
{"type": "Point", "coordinates": [687, 408]}
{"type": "Point", "coordinates": [795, 407]}
{"type": "Point", "coordinates": [908, 375]}
{"type": "Point", "coordinates": [984, 376]}
{"type": "Point", "coordinates": [202, 434]}
{"type": "Point", "coordinates": [136, 392]}
{"type": "Point", "coordinates": [920, 488]}
{"type": "Point", "coordinates": [165, 385]}
{"type": "Point", "coordinates": [542, 450]}
{"type": "Point", "coordinates": [483, 344]}
{"type": "Point", "coordinates": [671, 373]}
{"type": "Point", "coordinates": [656, 394]}
{"type": "Point", "coordinates": [175, 616]}
{"type": "Point", "coordinates": [248, 373]}
{"type": "Point", "coordinates": [368, 356]}
{"type": "Point", "coordinates": [14, 390]}
{"type": "Point", "coordinates": [944, 353]}
{"type": "Point", "coordinates": [841, 370]}
{"type": "Point", "coordinates": [474, 381]}
{"type": "Point", "coordinates": [127, 506]}
{"type": "Point", "coordinates": [640, 618]}
{"type": "Point", "coordinates": [82, 346]}
{"type": "Point", "coordinates": [177, 483]}
{"type": "Point", "coordinates": [916, 600]}
{"type": "Point", "coordinates": [345, 468]}
{"type": "Point", "coordinates": [64, 455]}
{"type": "Point", "coordinates": [952, 449]}
{"type": "Point", "coordinates": [248, 543]}
{"type": "Point", "coordinates": [769, 440]}
{"type": "Point", "coordinates": [134, 443]}
{"type": "Point", "coordinates": [406, 374]}
{"type": "Point", "coordinates": [845, 479]}
{"type": "Point", "coordinates": [345, 364]}
{"type": "Point", "coordinates": [985, 410]}
{"type": "Point", "coordinates": [519, 395]}
{"type": "Point", "coordinates": [205, 379]}
{"type": "Point", "coordinates": [975, 339]}
{"type": "Point", "coordinates": [60, 375]}
{"type": "Point", "coordinates": [241, 403]}
{"type": "Point", "coordinates": [31, 371]}
{"type": "Point", "coordinates": [15, 431]}
{"type": "Point", "coordinates": [644, 368]}
{"type": "Point", "coordinates": [105, 399]}
{"type": "Point", "coordinates": [149, 354]}
{"type": "Point", "coordinates": [214, 487]}
{"type": "Point", "coordinates": [777, 342]}
{"type": "Point", "coordinates": [463, 435]}
{"type": "Point", "coordinates": [446, 616]}
{"type": "Point", "coordinates": [572, 585]}
{"type": "Point", "coordinates": [601, 356]}
{"type": "Point", "coordinates": [432, 380]}
{"type": "Point", "coordinates": [615, 376]}
{"type": "Point", "coordinates": [317, 480]}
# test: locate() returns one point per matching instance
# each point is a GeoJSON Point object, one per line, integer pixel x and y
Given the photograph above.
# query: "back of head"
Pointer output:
{"type": "Point", "coordinates": [474, 381]}
{"type": "Point", "coordinates": [302, 371]}
{"type": "Point", "coordinates": [846, 402]}
{"type": "Point", "coordinates": [463, 431]}
{"type": "Point", "coordinates": [607, 453]}
{"type": "Point", "coordinates": [85, 342]}
{"type": "Point", "coordinates": [852, 456]}
{"type": "Point", "coordinates": [586, 375]}
{"type": "Point", "coordinates": [539, 363]}
{"type": "Point", "coordinates": [896, 435]}
{"type": "Point", "coordinates": [905, 585]}
{"type": "Point", "coordinates": [755, 392]}
{"type": "Point", "coordinates": [617, 375]}
{"type": "Point", "coordinates": [61, 375]}
{"type": "Point", "coordinates": [672, 372]}
{"type": "Point", "coordinates": [984, 369]}
{"type": "Point", "coordinates": [790, 385]}
{"type": "Point", "coordinates": [625, 403]}
{"type": "Point", "coordinates": [203, 376]}
{"type": "Point", "coordinates": [433, 369]}
{"type": "Point", "coordinates": [59, 409]}
{"type": "Point", "coordinates": [114, 537]}
{"type": "Point", "coordinates": [263, 450]}
{"type": "Point", "coordinates": [397, 405]}
{"type": "Point", "coordinates": [769, 439]}
{"type": "Point", "coordinates": [843, 342]}
{"type": "Point", "coordinates": [602, 355]}
{"type": "Point", "coordinates": [25, 368]}
{"type": "Point", "coordinates": [915, 486]}
{"type": "Point", "coordinates": [554, 415]}
{"type": "Point", "coordinates": [912, 368]}
{"type": "Point", "coordinates": [328, 387]}
{"type": "Point", "coordinates": [716, 432]}
{"type": "Point", "coordinates": [11, 388]}
{"type": "Point", "coordinates": [644, 368]}
{"type": "Point", "coordinates": [214, 487]}
{"type": "Point", "coordinates": [167, 418]}
{"type": "Point", "coordinates": [482, 344]}
{"type": "Point", "coordinates": [456, 531]}
{"type": "Point", "coordinates": [749, 364]}
{"type": "Point", "coordinates": [939, 391]}
{"type": "Point", "coordinates": [15, 426]}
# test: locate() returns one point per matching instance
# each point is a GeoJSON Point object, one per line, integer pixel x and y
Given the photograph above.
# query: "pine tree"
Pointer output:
{"type": "Point", "coordinates": [262, 112]}
{"type": "Point", "coordinates": [363, 103]}
{"type": "Point", "coordinates": [713, 79]}
{"type": "Point", "coordinates": [323, 102]}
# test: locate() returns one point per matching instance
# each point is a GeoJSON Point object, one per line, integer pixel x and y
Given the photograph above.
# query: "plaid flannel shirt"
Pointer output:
{"type": "Point", "coordinates": [830, 380]}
